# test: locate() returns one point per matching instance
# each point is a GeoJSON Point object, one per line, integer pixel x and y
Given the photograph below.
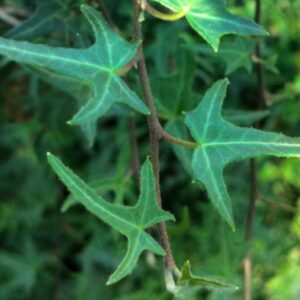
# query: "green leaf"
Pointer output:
{"type": "Point", "coordinates": [44, 20]}
{"type": "Point", "coordinates": [75, 89]}
{"type": "Point", "coordinates": [129, 221]}
{"type": "Point", "coordinates": [237, 54]}
{"type": "Point", "coordinates": [96, 67]}
{"type": "Point", "coordinates": [220, 142]}
{"type": "Point", "coordinates": [212, 20]}
{"type": "Point", "coordinates": [188, 282]}
{"type": "Point", "coordinates": [23, 268]}
{"type": "Point", "coordinates": [170, 90]}
{"type": "Point", "coordinates": [244, 117]}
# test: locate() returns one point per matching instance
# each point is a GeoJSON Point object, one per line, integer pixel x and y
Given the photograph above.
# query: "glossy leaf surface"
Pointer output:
{"type": "Point", "coordinates": [221, 142]}
{"type": "Point", "coordinates": [212, 20]}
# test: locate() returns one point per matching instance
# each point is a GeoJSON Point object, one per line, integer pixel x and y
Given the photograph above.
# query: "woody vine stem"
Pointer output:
{"type": "Point", "coordinates": [156, 133]}
{"type": "Point", "coordinates": [261, 101]}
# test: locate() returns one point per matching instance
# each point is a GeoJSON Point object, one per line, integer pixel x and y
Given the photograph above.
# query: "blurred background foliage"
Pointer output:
{"type": "Point", "coordinates": [45, 254]}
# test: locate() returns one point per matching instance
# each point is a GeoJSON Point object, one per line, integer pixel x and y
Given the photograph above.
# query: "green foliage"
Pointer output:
{"type": "Point", "coordinates": [188, 283]}
{"type": "Point", "coordinates": [96, 67]}
{"type": "Point", "coordinates": [212, 20]}
{"type": "Point", "coordinates": [220, 142]}
{"type": "Point", "coordinates": [80, 50]}
{"type": "Point", "coordinates": [131, 222]}
{"type": "Point", "coordinates": [47, 17]}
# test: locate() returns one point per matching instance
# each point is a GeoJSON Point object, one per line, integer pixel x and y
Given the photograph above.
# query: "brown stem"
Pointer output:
{"type": "Point", "coordinates": [253, 197]}
{"type": "Point", "coordinates": [106, 14]}
{"type": "Point", "coordinates": [282, 206]}
{"type": "Point", "coordinates": [9, 19]}
{"type": "Point", "coordinates": [253, 168]}
{"type": "Point", "coordinates": [135, 152]}
{"type": "Point", "coordinates": [155, 133]}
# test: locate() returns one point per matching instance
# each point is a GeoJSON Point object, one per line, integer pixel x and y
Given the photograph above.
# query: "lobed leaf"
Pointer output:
{"type": "Point", "coordinates": [96, 67]}
{"type": "Point", "coordinates": [212, 20]}
{"type": "Point", "coordinates": [221, 142]}
{"type": "Point", "coordinates": [129, 221]}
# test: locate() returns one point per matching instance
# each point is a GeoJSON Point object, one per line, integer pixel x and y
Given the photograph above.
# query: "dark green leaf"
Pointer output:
{"type": "Point", "coordinates": [45, 19]}
{"type": "Point", "coordinates": [96, 67]}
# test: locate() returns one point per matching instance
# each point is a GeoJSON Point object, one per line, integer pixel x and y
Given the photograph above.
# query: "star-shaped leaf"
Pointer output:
{"type": "Point", "coordinates": [129, 221]}
{"type": "Point", "coordinates": [220, 142]}
{"type": "Point", "coordinates": [96, 66]}
{"type": "Point", "coordinates": [212, 20]}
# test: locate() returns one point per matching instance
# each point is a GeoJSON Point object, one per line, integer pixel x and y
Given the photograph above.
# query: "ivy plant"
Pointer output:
{"type": "Point", "coordinates": [103, 78]}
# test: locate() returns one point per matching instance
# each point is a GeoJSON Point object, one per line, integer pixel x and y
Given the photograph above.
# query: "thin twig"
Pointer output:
{"type": "Point", "coordinates": [277, 205]}
{"type": "Point", "coordinates": [261, 100]}
{"type": "Point", "coordinates": [15, 11]}
{"type": "Point", "coordinates": [106, 14]}
{"type": "Point", "coordinates": [7, 18]}
{"type": "Point", "coordinates": [155, 134]}
{"type": "Point", "coordinates": [135, 164]}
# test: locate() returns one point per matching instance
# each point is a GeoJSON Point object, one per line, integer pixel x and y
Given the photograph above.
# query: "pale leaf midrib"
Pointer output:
{"type": "Point", "coordinates": [211, 108]}
{"type": "Point", "coordinates": [215, 185]}
{"type": "Point", "coordinates": [216, 144]}
{"type": "Point", "coordinates": [54, 57]}
{"type": "Point", "coordinates": [124, 268]}
{"type": "Point", "coordinates": [93, 203]}
{"type": "Point", "coordinates": [215, 18]}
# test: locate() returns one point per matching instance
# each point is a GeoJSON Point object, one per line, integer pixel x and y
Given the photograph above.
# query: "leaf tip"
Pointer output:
{"type": "Point", "coordinates": [113, 279]}
{"type": "Point", "coordinates": [231, 225]}
{"type": "Point", "coordinates": [226, 80]}
{"type": "Point", "coordinates": [49, 156]}
{"type": "Point", "coordinates": [72, 122]}
{"type": "Point", "coordinates": [109, 282]}
{"type": "Point", "coordinates": [84, 7]}
{"type": "Point", "coordinates": [147, 163]}
{"type": "Point", "coordinates": [264, 32]}
{"type": "Point", "coordinates": [215, 45]}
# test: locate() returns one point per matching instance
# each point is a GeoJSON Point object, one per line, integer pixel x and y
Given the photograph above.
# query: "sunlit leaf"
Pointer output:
{"type": "Point", "coordinates": [212, 20]}
{"type": "Point", "coordinates": [220, 142]}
